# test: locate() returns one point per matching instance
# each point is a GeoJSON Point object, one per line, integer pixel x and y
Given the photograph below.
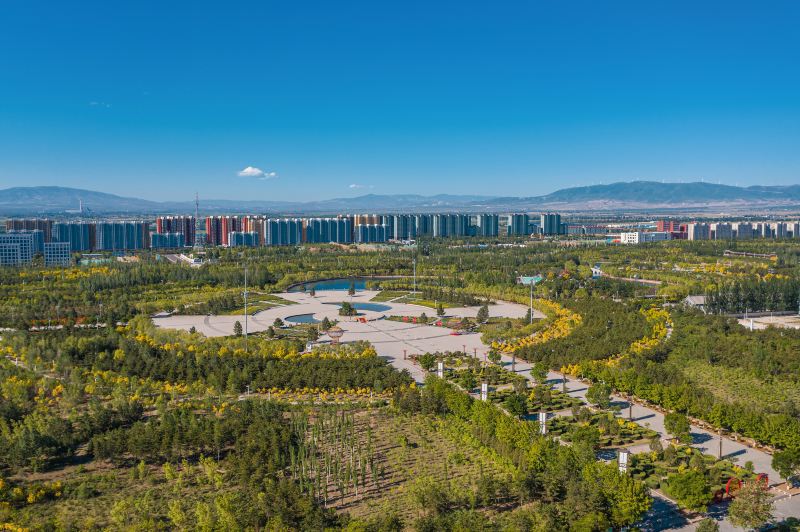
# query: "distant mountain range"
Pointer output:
{"type": "Point", "coordinates": [636, 195]}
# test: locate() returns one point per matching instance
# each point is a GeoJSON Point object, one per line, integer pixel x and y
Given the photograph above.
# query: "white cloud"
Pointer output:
{"type": "Point", "coordinates": [256, 173]}
{"type": "Point", "coordinates": [357, 186]}
{"type": "Point", "coordinates": [100, 104]}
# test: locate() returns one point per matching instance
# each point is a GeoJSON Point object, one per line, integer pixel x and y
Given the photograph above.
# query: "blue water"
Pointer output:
{"type": "Point", "coordinates": [302, 318]}
{"type": "Point", "coordinates": [360, 283]}
{"type": "Point", "coordinates": [331, 284]}
{"type": "Point", "coordinates": [374, 307]}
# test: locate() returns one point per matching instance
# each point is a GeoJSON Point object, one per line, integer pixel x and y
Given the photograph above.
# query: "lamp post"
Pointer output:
{"type": "Point", "coordinates": [245, 309]}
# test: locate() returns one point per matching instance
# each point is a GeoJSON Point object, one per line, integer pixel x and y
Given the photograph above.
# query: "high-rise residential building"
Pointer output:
{"type": "Point", "coordinates": [405, 227]}
{"type": "Point", "coordinates": [722, 231]}
{"type": "Point", "coordinates": [488, 225]}
{"type": "Point", "coordinates": [37, 239]}
{"type": "Point", "coordinates": [327, 230]}
{"type": "Point", "coordinates": [121, 236]}
{"type": "Point", "coordinates": [186, 225]}
{"type": "Point", "coordinates": [451, 225]}
{"type": "Point", "coordinates": [518, 224]}
{"type": "Point", "coordinates": [371, 233]}
{"type": "Point", "coordinates": [31, 224]}
{"type": "Point", "coordinates": [80, 235]}
{"type": "Point", "coordinates": [424, 224]}
{"type": "Point", "coordinates": [243, 238]}
{"type": "Point", "coordinates": [671, 226]}
{"type": "Point", "coordinates": [550, 223]}
{"type": "Point", "coordinates": [794, 229]}
{"type": "Point", "coordinates": [167, 240]}
{"type": "Point", "coordinates": [219, 227]}
{"type": "Point", "coordinates": [16, 248]}
{"type": "Point", "coordinates": [742, 230]}
{"type": "Point", "coordinates": [698, 231]}
{"type": "Point", "coordinates": [778, 230]}
{"type": "Point", "coordinates": [57, 254]}
{"type": "Point", "coordinates": [284, 231]}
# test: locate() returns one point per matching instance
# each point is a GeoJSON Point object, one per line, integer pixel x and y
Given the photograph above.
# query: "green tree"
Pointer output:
{"type": "Point", "coordinates": [627, 499]}
{"type": "Point", "coordinates": [326, 324]}
{"type": "Point", "coordinates": [517, 404]}
{"type": "Point", "coordinates": [347, 309]}
{"type": "Point", "coordinates": [787, 463]}
{"type": "Point", "coordinates": [494, 357]}
{"type": "Point", "coordinates": [428, 495]}
{"type": "Point", "coordinates": [468, 380]}
{"type": "Point", "coordinates": [483, 314]}
{"type": "Point", "coordinates": [439, 309]}
{"type": "Point", "coordinates": [752, 507]}
{"type": "Point", "coordinates": [278, 323]}
{"type": "Point", "coordinates": [312, 334]}
{"type": "Point", "coordinates": [270, 332]}
{"type": "Point", "coordinates": [427, 361]}
{"type": "Point", "coordinates": [351, 291]}
{"type": "Point", "coordinates": [691, 489]}
{"type": "Point", "coordinates": [599, 394]}
{"type": "Point", "coordinates": [237, 328]}
{"type": "Point", "coordinates": [539, 372]}
{"type": "Point", "coordinates": [192, 329]}
{"type": "Point", "coordinates": [678, 425]}
{"type": "Point", "coordinates": [707, 525]}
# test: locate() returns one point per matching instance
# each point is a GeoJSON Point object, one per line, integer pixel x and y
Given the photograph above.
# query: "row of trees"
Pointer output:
{"type": "Point", "coordinates": [576, 489]}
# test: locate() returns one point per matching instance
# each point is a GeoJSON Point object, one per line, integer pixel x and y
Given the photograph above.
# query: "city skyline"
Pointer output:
{"type": "Point", "coordinates": [321, 101]}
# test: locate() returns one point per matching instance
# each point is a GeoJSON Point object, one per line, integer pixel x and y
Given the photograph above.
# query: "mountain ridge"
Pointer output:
{"type": "Point", "coordinates": [612, 196]}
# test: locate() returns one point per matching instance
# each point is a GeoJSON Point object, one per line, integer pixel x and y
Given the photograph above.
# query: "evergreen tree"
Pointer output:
{"type": "Point", "coordinates": [237, 328]}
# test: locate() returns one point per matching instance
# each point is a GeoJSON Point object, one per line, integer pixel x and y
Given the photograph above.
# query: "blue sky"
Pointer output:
{"type": "Point", "coordinates": [162, 99]}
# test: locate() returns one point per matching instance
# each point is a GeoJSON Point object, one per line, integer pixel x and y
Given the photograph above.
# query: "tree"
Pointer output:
{"type": "Point", "coordinates": [483, 314]}
{"type": "Point", "coordinates": [347, 309]}
{"type": "Point", "coordinates": [278, 323]}
{"type": "Point", "coordinates": [678, 425]}
{"type": "Point", "coordinates": [192, 329]}
{"type": "Point", "coordinates": [707, 525]}
{"type": "Point", "coordinates": [468, 380]}
{"type": "Point", "coordinates": [494, 357]}
{"type": "Point", "coordinates": [270, 332]}
{"type": "Point", "coordinates": [427, 361]}
{"type": "Point", "coordinates": [599, 394]}
{"type": "Point", "coordinates": [312, 334]}
{"type": "Point", "coordinates": [351, 291]}
{"type": "Point", "coordinates": [326, 324]}
{"type": "Point", "coordinates": [528, 316]}
{"type": "Point", "coordinates": [752, 507]}
{"type": "Point", "coordinates": [439, 309]}
{"type": "Point", "coordinates": [691, 489]}
{"type": "Point", "coordinates": [626, 499]}
{"type": "Point", "coordinates": [517, 405]}
{"type": "Point", "coordinates": [787, 463]}
{"type": "Point", "coordinates": [539, 372]}
{"type": "Point", "coordinates": [237, 328]}
{"type": "Point", "coordinates": [423, 318]}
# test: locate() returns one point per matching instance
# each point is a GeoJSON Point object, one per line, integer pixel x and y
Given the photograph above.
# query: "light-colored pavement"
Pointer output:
{"type": "Point", "coordinates": [320, 306]}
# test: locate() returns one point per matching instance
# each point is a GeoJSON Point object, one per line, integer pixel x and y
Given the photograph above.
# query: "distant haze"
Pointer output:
{"type": "Point", "coordinates": [598, 198]}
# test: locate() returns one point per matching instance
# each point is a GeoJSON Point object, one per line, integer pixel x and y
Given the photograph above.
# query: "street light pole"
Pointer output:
{"type": "Point", "coordinates": [531, 302]}
{"type": "Point", "coordinates": [245, 309]}
{"type": "Point", "coordinates": [415, 275]}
